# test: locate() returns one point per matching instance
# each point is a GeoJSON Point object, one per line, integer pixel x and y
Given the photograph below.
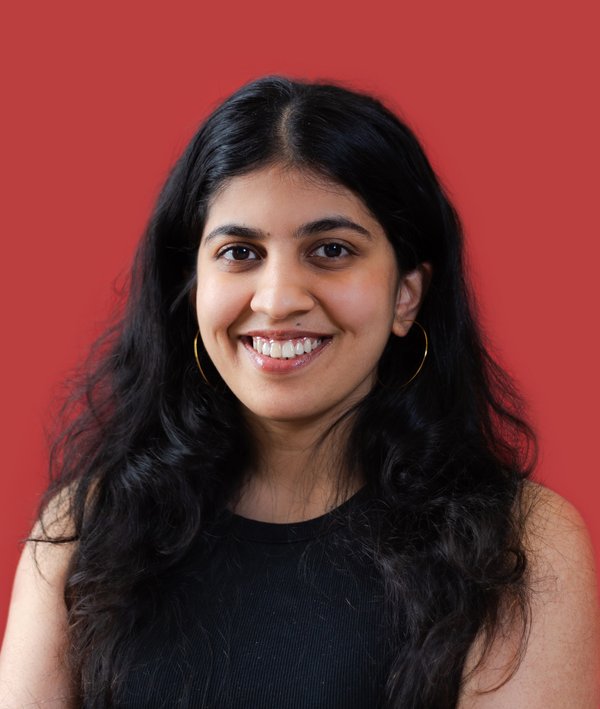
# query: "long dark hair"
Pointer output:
{"type": "Point", "coordinates": [149, 453]}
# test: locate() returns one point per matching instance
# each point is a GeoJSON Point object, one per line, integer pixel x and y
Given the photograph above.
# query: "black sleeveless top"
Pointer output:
{"type": "Point", "coordinates": [285, 616]}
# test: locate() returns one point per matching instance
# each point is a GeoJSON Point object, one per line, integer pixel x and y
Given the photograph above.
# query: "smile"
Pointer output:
{"type": "Point", "coordinates": [285, 349]}
{"type": "Point", "coordinates": [281, 355]}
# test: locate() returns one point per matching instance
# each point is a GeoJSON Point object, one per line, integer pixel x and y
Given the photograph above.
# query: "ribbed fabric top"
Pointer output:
{"type": "Point", "coordinates": [283, 616]}
{"type": "Point", "coordinates": [274, 533]}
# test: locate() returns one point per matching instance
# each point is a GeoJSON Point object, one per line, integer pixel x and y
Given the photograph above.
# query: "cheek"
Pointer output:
{"type": "Point", "coordinates": [365, 300]}
{"type": "Point", "coordinates": [214, 311]}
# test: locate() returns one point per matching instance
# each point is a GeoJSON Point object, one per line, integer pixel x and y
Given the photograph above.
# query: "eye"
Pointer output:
{"type": "Point", "coordinates": [331, 250]}
{"type": "Point", "coordinates": [237, 253]}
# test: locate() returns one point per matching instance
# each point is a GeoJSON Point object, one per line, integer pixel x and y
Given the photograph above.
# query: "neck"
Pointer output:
{"type": "Point", "coordinates": [297, 476]}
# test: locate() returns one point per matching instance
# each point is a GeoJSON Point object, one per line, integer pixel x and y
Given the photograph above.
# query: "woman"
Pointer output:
{"type": "Point", "coordinates": [293, 475]}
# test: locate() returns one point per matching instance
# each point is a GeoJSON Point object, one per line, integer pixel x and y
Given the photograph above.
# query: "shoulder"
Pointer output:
{"type": "Point", "coordinates": [561, 660]}
{"type": "Point", "coordinates": [545, 508]}
{"type": "Point", "coordinates": [559, 551]}
{"type": "Point", "coordinates": [33, 658]}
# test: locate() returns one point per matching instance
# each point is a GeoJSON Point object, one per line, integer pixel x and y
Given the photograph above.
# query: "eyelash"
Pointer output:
{"type": "Point", "coordinates": [235, 247]}
{"type": "Point", "coordinates": [230, 249]}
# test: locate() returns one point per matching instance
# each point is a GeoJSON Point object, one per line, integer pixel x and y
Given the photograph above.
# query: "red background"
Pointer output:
{"type": "Point", "coordinates": [99, 99]}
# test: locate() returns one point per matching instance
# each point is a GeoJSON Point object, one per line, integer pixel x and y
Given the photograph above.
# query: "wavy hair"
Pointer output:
{"type": "Point", "coordinates": [149, 454]}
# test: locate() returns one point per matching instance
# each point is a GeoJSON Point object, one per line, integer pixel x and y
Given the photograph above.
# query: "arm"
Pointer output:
{"type": "Point", "coordinates": [561, 664]}
{"type": "Point", "coordinates": [33, 669]}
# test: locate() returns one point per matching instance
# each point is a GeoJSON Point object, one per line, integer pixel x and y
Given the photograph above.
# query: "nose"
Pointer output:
{"type": "Point", "coordinates": [281, 291]}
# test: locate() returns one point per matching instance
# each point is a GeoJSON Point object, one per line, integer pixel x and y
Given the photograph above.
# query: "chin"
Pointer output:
{"type": "Point", "coordinates": [285, 415]}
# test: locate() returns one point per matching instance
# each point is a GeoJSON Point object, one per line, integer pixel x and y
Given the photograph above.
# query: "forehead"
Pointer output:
{"type": "Point", "coordinates": [286, 196]}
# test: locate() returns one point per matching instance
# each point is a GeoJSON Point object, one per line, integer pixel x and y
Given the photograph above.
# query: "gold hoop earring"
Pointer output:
{"type": "Point", "coordinates": [420, 367]}
{"type": "Point", "coordinates": [198, 359]}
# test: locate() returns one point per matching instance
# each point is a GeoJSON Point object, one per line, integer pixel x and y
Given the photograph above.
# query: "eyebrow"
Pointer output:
{"type": "Point", "coordinates": [309, 229]}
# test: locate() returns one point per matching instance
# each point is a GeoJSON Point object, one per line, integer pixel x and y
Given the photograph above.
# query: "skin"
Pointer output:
{"type": "Point", "coordinates": [32, 667]}
{"type": "Point", "coordinates": [358, 301]}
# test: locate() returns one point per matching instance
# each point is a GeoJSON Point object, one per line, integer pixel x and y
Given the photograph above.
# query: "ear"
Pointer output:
{"type": "Point", "coordinates": [411, 291]}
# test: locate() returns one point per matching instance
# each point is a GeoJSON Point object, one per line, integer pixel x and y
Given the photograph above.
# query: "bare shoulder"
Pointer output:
{"type": "Point", "coordinates": [560, 552]}
{"type": "Point", "coordinates": [33, 657]}
{"type": "Point", "coordinates": [552, 520]}
{"type": "Point", "coordinates": [561, 663]}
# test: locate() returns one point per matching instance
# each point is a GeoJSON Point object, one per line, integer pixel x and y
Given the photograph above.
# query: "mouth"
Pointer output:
{"type": "Point", "coordinates": [276, 354]}
{"type": "Point", "coordinates": [286, 349]}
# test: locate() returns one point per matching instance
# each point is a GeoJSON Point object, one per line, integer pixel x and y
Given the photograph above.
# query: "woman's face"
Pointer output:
{"type": "Point", "coordinates": [298, 293]}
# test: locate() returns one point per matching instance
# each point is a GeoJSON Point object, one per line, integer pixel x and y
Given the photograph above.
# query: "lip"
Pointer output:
{"type": "Point", "coordinates": [282, 366]}
{"type": "Point", "coordinates": [286, 334]}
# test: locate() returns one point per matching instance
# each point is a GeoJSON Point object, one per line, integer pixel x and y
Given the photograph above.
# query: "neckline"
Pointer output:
{"type": "Point", "coordinates": [288, 532]}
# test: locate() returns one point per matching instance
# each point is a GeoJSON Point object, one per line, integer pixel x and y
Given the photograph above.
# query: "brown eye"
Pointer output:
{"type": "Point", "coordinates": [238, 253]}
{"type": "Point", "coordinates": [331, 250]}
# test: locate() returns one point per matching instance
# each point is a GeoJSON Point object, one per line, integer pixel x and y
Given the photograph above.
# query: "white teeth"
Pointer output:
{"type": "Point", "coordinates": [286, 349]}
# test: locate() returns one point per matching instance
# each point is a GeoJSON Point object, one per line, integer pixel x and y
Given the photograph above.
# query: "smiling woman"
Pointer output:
{"type": "Point", "coordinates": [293, 475]}
{"type": "Point", "coordinates": [307, 262]}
